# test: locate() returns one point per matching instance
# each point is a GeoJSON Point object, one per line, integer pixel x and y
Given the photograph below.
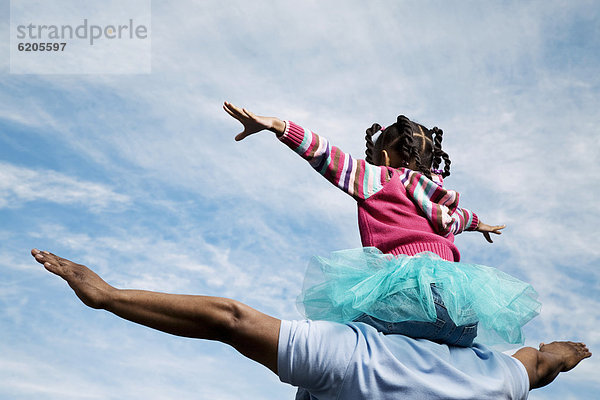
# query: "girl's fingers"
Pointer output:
{"type": "Point", "coordinates": [234, 111]}
{"type": "Point", "coordinates": [487, 237]}
{"type": "Point", "coordinates": [239, 114]}
{"type": "Point", "coordinates": [240, 111]}
{"type": "Point", "coordinates": [229, 111]}
{"type": "Point", "coordinates": [252, 123]}
{"type": "Point", "coordinates": [234, 114]}
{"type": "Point", "coordinates": [249, 114]}
{"type": "Point", "coordinates": [239, 118]}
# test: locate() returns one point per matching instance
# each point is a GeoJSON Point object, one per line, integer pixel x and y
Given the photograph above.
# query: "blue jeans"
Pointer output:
{"type": "Point", "coordinates": [442, 330]}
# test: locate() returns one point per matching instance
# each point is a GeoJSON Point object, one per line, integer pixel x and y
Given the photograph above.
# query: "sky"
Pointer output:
{"type": "Point", "coordinates": [138, 176]}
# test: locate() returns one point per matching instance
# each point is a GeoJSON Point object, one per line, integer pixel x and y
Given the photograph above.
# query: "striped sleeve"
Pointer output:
{"type": "Point", "coordinates": [439, 205]}
{"type": "Point", "coordinates": [356, 177]}
{"type": "Point", "coordinates": [463, 220]}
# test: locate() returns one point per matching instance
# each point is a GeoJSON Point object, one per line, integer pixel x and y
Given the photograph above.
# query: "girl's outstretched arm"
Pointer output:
{"type": "Point", "coordinates": [354, 176]}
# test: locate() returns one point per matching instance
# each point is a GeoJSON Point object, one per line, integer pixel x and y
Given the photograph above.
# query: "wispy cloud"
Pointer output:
{"type": "Point", "coordinates": [19, 185]}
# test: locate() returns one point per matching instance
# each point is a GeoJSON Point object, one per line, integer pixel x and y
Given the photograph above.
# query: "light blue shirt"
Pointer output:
{"type": "Point", "coordinates": [355, 361]}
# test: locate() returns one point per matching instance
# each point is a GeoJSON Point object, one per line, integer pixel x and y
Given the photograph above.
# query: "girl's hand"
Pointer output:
{"type": "Point", "coordinates": [487, 229]}
{"type": "Point", "coordinates": [253, 123]}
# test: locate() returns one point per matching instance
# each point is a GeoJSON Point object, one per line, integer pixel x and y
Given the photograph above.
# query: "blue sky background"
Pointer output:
{"type": "Point", "coordinates": [138, 176]}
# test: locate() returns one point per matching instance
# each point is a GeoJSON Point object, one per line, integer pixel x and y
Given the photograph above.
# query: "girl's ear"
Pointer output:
{"type": "Point", "coordinates": [385, 158]}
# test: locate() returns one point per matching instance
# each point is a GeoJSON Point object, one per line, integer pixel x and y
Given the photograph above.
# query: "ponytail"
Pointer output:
{"type": "Point", "coordinates": [370, 145]}
{"type": "Point", "coordinates": [439, 154]}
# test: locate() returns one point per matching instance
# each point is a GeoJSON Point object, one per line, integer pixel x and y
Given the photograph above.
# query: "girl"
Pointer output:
{"type": "Point", "coordinates": [407, 279]}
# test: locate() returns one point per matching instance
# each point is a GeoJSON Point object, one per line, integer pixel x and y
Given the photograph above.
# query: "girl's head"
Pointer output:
{"type": "Point", "coordinates": [407, 144]}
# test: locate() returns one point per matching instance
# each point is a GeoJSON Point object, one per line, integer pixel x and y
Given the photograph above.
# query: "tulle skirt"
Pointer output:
{"type": "Point", "coordinates": [398, 288]}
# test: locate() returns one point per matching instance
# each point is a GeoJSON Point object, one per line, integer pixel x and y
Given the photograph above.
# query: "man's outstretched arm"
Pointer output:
{"type": "Point", "coordinates": [249, 331]}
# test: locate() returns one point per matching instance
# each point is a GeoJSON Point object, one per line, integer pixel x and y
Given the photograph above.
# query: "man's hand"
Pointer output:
{"type": "Point", "coordinates": [487, 229]}
{"type": "Point", "coordinates": [253, 123]}
{"type": "Point", "coordinates": [92, 290]}
{"type": "Point", "coordinates": [251, 332]}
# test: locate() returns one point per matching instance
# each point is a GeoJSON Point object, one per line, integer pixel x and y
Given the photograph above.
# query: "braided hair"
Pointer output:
{"type": "Point", "coordinates": [438, 153]}
{"type": "Point", "coordinates": [411, 141]}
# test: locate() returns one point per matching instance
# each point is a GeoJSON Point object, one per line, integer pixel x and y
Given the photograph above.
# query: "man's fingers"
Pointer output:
{"type": "Point", "coordinates": [47, 256]}
{"type": "Point", "coordinates": [50, 261]}
{"type": "Point", "coordinates": [55, 269]}
{"type": "Point", "coordinates": [52, 266]}
{"type": "Point", "coordinates": [39, 256]}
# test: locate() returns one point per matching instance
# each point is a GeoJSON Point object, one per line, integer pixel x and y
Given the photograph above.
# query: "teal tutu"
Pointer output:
{"type": "Point", "coordinates": [398, 288]}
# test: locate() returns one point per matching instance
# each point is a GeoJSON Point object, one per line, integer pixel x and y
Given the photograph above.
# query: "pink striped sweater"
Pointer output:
{"type": "Point", "coordinates": [400, 211]}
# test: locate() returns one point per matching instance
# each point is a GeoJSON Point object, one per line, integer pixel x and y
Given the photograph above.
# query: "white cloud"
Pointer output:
{"type": "Point", "coordinates": [157, 372]}
{"type": "Point", "coordinates": [19, 185]}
